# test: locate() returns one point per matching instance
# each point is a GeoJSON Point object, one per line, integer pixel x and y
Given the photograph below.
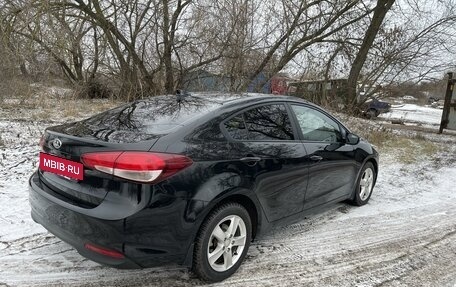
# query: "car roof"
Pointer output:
{"type": "Point", "coordinates": [254, 98]}
{"type": "Point", "coordinates": [231, 99]}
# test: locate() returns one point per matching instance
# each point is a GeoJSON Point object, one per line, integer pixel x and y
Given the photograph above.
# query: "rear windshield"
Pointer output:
{"type": "Point", "coordinates": [156, 115]}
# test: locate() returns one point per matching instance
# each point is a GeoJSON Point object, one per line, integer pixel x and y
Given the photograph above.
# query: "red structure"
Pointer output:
{"type": "Point", "coordinates": [279, 84]}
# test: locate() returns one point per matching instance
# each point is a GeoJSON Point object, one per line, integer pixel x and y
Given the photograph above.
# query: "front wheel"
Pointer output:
{"type": "Point", "coordinates": [364, 185]}
{"type": "Point", "coordinates": [222, 242]}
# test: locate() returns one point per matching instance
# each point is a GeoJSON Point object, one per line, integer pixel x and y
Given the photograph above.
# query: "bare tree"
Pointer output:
{"type": "Point", "coordinates": [383, 6]}
{"type": "Point", "coordinates": [403, 50]}
{"type": "Point", "coordinates": [148, 47]}
{"type": "Point", "coordinates": [304, 24]}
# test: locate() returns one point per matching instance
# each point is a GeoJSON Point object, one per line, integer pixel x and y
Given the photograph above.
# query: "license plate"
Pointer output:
{"type": "Point", "coordinates": [61, 166]}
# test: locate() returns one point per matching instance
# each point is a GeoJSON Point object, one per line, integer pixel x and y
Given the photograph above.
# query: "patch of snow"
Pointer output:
{"type": "Point", "coordinates": [53, 91]}
{"type": "Point", "coordinates": [414, 113]}
{"type": "Point", "coordinates": [409, 98]}
{"type": "Point", "coordinates": [419, 186]}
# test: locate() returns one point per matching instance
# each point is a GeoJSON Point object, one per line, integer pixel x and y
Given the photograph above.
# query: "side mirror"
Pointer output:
{"type": "Point", "coordinates": [352, 139]}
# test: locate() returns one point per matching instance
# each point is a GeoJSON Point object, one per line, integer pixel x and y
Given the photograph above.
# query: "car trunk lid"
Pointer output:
{"type": "Point", "coordinates": [92, 189]}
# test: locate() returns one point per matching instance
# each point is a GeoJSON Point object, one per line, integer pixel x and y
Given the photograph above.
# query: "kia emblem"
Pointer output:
{"type": "Point", "coordinates": [57, 143]}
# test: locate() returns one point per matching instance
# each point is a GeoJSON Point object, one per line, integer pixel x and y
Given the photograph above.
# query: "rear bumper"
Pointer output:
{"type": "Point", "coordinates": [138, 240]}
{"type": "Point", "coordinates": [78, 243]}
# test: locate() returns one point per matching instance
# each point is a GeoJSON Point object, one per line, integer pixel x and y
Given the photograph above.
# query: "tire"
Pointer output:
{"type": "Point", "coordinates": [364, 185]}
{"type": "Point", "coordinates": [215, 238]}
{"type": "Point", "coordinates": [371, 113]}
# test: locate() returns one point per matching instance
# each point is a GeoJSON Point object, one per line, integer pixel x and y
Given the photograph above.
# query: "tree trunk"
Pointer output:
{"type": "Point", "coordinates": [380, 11]}
{"type": "Point", "coordinates": [167, 50]}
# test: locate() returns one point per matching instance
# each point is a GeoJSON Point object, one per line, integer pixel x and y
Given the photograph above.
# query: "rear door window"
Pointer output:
{"type": "Point", "coordinates": [263, 123]}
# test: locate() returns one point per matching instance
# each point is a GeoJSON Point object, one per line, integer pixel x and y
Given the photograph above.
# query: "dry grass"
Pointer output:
{"type": "Point", "coordinates": [408, 147]}
{"type": "Point", "coordinates": [378, 136]}
{"type": "Point", "coordinates": [16, 88]}
{"type": "Point", "coordinates": [52, 104]}
{"type": "Point", "coordinates": [410, 150]}
{"type": "Point", "coordinates": [72, 109]}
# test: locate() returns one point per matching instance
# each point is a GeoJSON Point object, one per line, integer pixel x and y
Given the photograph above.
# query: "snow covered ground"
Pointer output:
{"type": "Point", "coordinates": [412, 113]}
{"type": "Point", "coordinates": [406, 235]}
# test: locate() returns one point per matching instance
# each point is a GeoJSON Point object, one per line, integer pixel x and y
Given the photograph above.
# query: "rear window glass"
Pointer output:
{"type": "Point", "coordinates": [269, 122]}
{"type": "Point", "coordinates": [155, 115]}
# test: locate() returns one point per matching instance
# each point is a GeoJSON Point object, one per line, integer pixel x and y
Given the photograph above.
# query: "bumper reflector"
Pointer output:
{"type": "Point", "coordinates": [104, 251]}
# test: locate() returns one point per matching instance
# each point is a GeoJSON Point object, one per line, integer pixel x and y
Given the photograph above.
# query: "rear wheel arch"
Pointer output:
{"type": "Point", "coordinates": [243, 200]}
{"type": "Point", "coordinates": [195, 259]}
{"type": "Point", "coordinates": [218, 250]}
{"type": "Point", "coordinates": [248, 203]}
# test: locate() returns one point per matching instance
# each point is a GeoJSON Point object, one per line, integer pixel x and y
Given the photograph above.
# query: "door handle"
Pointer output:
{"type": "Point", "coordinates": [316, 158]}
{"type": "Point", "coordinates": [250, 160]}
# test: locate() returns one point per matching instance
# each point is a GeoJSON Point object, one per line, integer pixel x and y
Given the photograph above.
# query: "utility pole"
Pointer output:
{"type": "Point", "coordinates": [447, 103]}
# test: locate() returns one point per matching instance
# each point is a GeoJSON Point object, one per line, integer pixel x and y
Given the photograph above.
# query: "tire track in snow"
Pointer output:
{"type": "Point", "coordinates": [327, 254]}
{"type": "Point", "coordinates": [371, 256]}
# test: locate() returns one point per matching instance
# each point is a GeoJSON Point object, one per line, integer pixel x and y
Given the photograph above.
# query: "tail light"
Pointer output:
{"type": "Point", "coordinates": [138, 166]}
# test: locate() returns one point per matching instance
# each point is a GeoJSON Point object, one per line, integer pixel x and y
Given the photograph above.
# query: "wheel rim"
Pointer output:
{"type": "Point", "coordinates": [226, 243]}
{"type": "Point", "coordinates": [366, 184]}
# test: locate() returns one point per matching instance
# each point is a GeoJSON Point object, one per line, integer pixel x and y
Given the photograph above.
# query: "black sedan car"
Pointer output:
{"type": "Point", "coordinates": [193, 179]}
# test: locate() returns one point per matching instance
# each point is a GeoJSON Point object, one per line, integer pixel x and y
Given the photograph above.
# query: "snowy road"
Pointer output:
{"type": "Point", "coordinates": [406, 235]}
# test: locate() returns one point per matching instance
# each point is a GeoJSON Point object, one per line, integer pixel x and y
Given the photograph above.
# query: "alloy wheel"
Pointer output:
{"type": "Point", "coordinates": [366, 184]}
{"type": "Point", "coordinates": [226, 243]}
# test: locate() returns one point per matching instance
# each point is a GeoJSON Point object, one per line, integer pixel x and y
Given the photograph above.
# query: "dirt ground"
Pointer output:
{"type": "Point", "coordinates": [406, 235]}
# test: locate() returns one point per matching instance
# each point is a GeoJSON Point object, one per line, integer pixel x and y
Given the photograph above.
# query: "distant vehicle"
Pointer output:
{"type": "Point", "coordinates": [372, 109]}
{"type": "Point", "coordinates": [432, 100]}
